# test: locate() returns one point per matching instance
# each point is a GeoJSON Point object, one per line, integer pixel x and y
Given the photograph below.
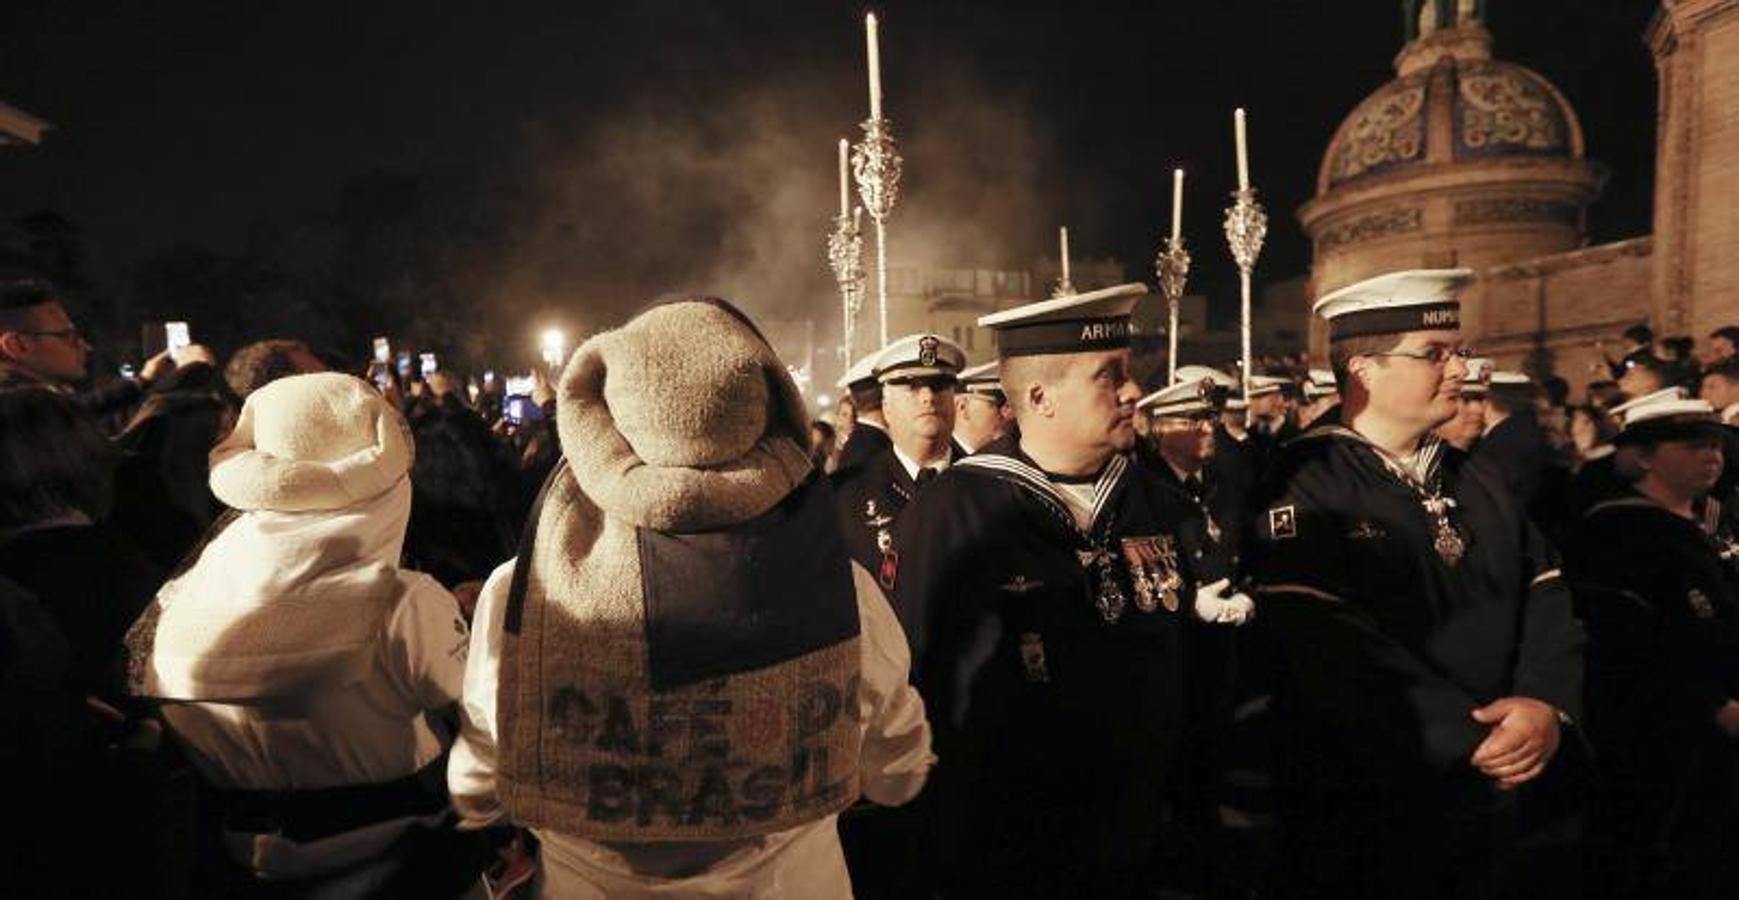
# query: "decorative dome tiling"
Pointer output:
{"type": "Point", "coordinates": [1505, 110]}
{"type": "Point", "coordinates": [1496, 109]}
{"type": "Point", "coordinates": [1386, 130]}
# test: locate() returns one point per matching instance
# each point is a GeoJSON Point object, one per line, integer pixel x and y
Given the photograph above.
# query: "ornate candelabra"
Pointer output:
{"type": "Point", "coordinates": [1246, 227]}
{"type": "Point", "coordinates": [875, 165]}
{"type": "Point", "coordinates": [845, 255]}
{"type": "Point", "coordinates": [1173, 268]}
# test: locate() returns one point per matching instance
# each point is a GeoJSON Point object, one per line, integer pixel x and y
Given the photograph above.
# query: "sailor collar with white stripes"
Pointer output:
{"type": "Point", "coordinates": [1095, 552]}
{"type": "Point", "coordinates": [1022, 472]}
{"type": "Point", "coordinates": [1422, 475]}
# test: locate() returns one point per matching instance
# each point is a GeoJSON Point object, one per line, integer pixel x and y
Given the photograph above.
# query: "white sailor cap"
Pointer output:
{"type": "Point", "coordinates": [919, 356]}
{"type": "Point", "coordinates": [863, 371]}
{"type": "Point", "coordinates": [1263, 385]}
{"type": "Point", "coordinates": [1477, 381]}
{"type": "Point", "coordinates": [1195, 399]}
{"type": "Point", "coordinates": [1197, 373]}
{"type": "Point", "coordinates": [1505, 378]}
{"type": "Point", "coordinates": [1073, 323]}
{"type": "Point", "coordinates": [1320, 384]}
{"type": "Point", "coordinates": [1414, 300]}
{"type": "Point", "coordinates": [1664, 417]}
{"type": "Point", "coordinates": [984, 381]}
{"type": "Point", "coordinates": [1671, 393]}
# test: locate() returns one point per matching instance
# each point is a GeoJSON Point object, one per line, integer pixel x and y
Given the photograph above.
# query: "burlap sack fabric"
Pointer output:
{"type": "Point", "coordinates": [683, 421]}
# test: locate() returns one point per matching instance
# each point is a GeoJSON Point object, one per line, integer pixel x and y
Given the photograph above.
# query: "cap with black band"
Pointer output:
{"type": "Point", "coordinates": [1396, 303]}
{"type": "Point", "coordinates": [1074, 323]}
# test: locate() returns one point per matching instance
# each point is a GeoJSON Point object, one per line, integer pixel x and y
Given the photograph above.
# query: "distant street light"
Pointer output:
{"type": "Point", "coordinates": [554, 348]}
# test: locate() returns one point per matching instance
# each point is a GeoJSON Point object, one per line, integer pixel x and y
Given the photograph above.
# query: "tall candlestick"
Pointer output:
{"type": "Point", "coordinates": [1176, 204]}
{"type": "Point", "coordinates": [1243, 151]}
{"type": "Point", "coordinates": [844, 180]}
{"type": "Point", "coordinates": [875, 65]}
{"type": "Point", "coordinates": [1063, 242]}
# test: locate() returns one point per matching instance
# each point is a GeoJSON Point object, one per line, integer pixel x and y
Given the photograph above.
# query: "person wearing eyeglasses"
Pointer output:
{"type": "Point", "coordinates": [40, 345]}
{"type": "Point", "coordinates": [1429, 654]}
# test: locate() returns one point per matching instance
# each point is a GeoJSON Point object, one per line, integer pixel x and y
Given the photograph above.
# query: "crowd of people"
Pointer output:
{"type": "Point", "coordinates": [1407, 625]}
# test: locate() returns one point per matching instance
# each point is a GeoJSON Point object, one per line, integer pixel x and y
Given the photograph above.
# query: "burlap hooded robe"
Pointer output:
{"type": "Point", "coordinates": [598, 738]}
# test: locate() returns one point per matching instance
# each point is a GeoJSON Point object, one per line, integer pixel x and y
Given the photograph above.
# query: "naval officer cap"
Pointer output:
{"type": "Point", "coordinates": [1234, 400]}
{"type": "Point", "coordinates": [1668, 415]}
{"type": "Point", "coordinates": [1319, 384]}
{"type": "Point", "coordinates": [1263, 385]}
{"type": "Point", "coordinates": [1074, 323]}
{"type": "Point", "coordinates": [1198, 399]}
{"type": "Point", "coordinates": [984, 381]}
{"type": "Point", "coordinates": [918, 357]}
{"type": "Point", "coordinates": [1477, 381]}
{"type": "Point", "coordinates": [860, 380]}
{"type": "Point", "coordinates": [1414, 300]}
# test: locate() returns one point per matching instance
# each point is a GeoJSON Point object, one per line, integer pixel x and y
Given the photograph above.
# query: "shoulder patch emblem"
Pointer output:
{"type": "Point", "coordinates": [1282, 522]}
{"type": "Point", "coordinates": [1021, 585]}
{"type": "Point", "coordinates": [1700, 605]}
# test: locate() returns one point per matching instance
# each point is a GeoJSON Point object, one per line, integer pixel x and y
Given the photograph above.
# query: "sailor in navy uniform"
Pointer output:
{"type": "Point", "coordinates": [869, 434]}
{"type": "Point", "coordinates": [1655, 570]}
{"type": "Point", "coordinates": [918, 375]}
{"type": "Point", "coordinates": [1429, 649]}
{"type": "Point", "coordinates": [1044, 585]}
{"type": "Point", "coordinates": [1237, 460]}
{"type": "Point", "coordinates": [917, 378]}
{"type": "Point", "coordinates": [981, 413]}
{"type": "Point", "coordinates": [1320, 395]}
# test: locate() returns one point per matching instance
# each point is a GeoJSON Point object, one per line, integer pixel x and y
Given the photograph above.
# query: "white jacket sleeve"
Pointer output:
{"type": "Point", "coordinates": [471, 768]}
{"type": "Point", "coordinates": [896, 756]}
{"type": "Point", "coordinates": [426, 642]}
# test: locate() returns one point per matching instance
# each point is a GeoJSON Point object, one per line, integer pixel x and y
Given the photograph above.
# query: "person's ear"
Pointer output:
{"type": "Point", "coordinates": [1038, 401]}
{"type": "Point", "coordinates": [13, 345]}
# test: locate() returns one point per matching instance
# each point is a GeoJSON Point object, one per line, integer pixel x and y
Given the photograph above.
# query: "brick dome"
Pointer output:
{"type": "Point", "coordinates": [1490, 107]}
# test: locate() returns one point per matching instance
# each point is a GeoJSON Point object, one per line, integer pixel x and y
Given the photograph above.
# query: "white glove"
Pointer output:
{"type": "Point", "coordinates": [1218, 603]}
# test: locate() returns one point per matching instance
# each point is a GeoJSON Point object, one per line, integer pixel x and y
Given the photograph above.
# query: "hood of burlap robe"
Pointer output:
{"type": "Point", "coordinates": [680, 658]}
{"type": "Point", "coordinates": [291, 591]}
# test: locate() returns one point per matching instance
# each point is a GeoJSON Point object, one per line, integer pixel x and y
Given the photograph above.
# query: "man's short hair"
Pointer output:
{"type": "Point", "coordinates": [18, 298]}
{"type": "Point", "coordinates": [53, 459]}
{"type": "Point", "coordinates": [1730, 333]}
{"type": "Point", "coordinates": [1727, 368]}
{"type": "Point", "coordinates": [261, 363]}
{"type": "Point", "coordinates": [1639, 334]}
{"type": "Point", "coordinates": [1341, 353]}
{"type": "Point", "coordinates": [1019, 371]}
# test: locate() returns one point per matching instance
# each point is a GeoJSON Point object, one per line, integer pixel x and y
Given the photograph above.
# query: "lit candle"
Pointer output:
{"type": "Point", "coordinates": [875, 65]}
{"type": "Point", "coordinates": [844, 208]}
{"type": "Point", "coordinates": [1243, 151]}
{"type": "Point", "coordinates": [1063, 240]}
{"type": "Point", "coordinates": [1176, 204]}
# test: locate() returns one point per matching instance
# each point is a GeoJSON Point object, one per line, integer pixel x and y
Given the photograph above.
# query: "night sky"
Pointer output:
{"type": "Point", "coordinates": [689, 144]}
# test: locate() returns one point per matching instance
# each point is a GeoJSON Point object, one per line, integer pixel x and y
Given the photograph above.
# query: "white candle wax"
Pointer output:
{"type": "Point", "coordinates": [1063, 241]}
{"type": "Point", "coordinates": [875, 65]}
{"type": "Point", "coordinates": [844, 207]}
{"type": "Point", "coordinates": [1176, 204]}
{"type": "Point", "coordinates": [1243, 151]}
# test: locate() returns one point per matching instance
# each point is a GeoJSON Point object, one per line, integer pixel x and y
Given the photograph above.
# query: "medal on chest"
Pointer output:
{"type": "Point", "coordinates": [884, 542]}
{"type": "Point", "coordinates": [1108, 595]}
{"type": "Point", "coordinates": [1445, 539]}
{"type": "Point", "coordinates": [1153, 570]}
{"type": "Point", "coordinates": [1213, 526]}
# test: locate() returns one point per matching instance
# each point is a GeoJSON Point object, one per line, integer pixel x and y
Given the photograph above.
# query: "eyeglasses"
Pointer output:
{"type": "Point", "coordinates": [69, 335]}
{"type": "Point", "coordinates": [1436, 356]}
